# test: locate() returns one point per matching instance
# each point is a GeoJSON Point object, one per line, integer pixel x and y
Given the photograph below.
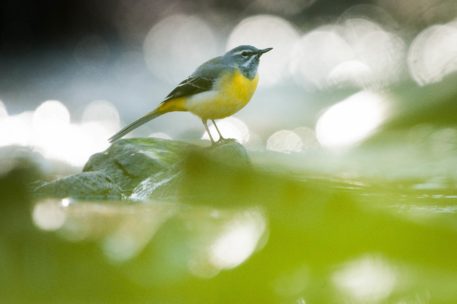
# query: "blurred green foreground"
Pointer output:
{"type": "Point", "coordinates": [376, 225]}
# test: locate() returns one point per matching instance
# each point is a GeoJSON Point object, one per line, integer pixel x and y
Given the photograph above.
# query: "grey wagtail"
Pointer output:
{"type": "Point", "coordinates": [218, 88]}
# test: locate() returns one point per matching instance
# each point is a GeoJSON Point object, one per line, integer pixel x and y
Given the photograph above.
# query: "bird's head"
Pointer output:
{"type": "Point", "coordinates": [246, 58]}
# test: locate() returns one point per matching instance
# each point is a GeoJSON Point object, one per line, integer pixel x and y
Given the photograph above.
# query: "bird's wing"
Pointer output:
{"type": "Point", "coordinates": [202, 80]}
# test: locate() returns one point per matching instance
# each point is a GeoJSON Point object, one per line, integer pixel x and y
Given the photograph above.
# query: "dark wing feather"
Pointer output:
{"type": "Point", "coordinates": [201, 80]}
{"type": "Point", "coordinates": [191, 86]}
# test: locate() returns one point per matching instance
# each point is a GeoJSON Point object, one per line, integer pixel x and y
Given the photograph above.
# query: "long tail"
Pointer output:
{"type": "Point", "coordinates": [165, 107]}
{"type": "Point", "coordinates": [135, 124]}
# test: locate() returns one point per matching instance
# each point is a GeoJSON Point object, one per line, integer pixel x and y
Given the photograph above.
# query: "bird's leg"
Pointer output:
{"type": "Point", "coordinates": [207, 130]}
{"type": "Point", "coordinates": [217, 129]}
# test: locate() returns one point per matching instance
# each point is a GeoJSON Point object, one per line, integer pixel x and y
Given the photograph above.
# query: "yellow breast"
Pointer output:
{"type": "Point", "coordinates": [239, 87]}
{"type": "Point", "coordinates": [232, 92]}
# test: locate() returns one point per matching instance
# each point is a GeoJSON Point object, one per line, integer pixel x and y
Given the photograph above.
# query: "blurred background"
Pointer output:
{"type": "Point", "coordinates": [352, 134]}
{"type": "Point", "coordinates": [74, 72]}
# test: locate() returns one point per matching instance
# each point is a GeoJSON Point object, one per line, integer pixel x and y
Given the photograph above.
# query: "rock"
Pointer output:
{"type": "Point", "coordinates": [86, 185]}
{"type": "Point", "coordinates": [129, 162]}
{"type": "Point", "coordinates": [162, 185]}
{"type": "Point", "coordinates": [139, 169]}
{"type": "Point", "coordinates": [230, 152]}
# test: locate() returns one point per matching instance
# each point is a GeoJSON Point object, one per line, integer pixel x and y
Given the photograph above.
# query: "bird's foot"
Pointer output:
{"type": "Point", "coordinates": [223, 140]}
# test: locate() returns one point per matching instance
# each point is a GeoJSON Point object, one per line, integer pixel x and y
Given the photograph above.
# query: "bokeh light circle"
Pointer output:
{"type": "Point", "coordinates": [316, 54]}
{"type": "Point", "coordinates": [176, 45]}
{"type": "Point", "coordinates": [103, 112]}
{"type": "Point", "coordinates": [285, 141]}
{"type": "Point", "coordinates": [355, 52]}
{"type": "Point", "coordinates": [52, 114]}
{"type": "Point", "coordinates": [264, 31]}
{"type": "Point", "coordinates": [433, 54]}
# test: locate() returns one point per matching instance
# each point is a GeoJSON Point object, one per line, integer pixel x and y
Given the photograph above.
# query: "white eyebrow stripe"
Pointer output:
{"type": "Point", "coordinates": [242, 51]}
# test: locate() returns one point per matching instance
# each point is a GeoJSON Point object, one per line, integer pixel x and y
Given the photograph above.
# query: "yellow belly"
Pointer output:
{"type": "Point", "coordinates": [229, 96]}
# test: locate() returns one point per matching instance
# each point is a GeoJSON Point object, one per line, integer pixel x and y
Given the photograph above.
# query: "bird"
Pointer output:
{"type": "Point", "coordinates": [218, 88]}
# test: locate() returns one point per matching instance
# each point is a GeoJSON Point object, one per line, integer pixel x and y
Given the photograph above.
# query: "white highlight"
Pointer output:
{"type": "Point", "coordinates": [66, 202]}
{"type": "Point", "coordinates": [50, 131]}
{"type": "Point", "coordinates": [316, 54]}
{"type": "Point", "coordinates": [350, 72]}
{"type": "Point", "coordinates": [48, 215]}
{"type": "Point", "coordinates": [433, 54]}
{"type": "Point", "coordinates": [285, 141]}
{"type": "Point", "coordinates": [366, 280]}
{"type": "Point", "coordinates": [170, 47]}
{"type": "Point", "coordinates": [16, 130]}
{"type": "Point", "coordinates": [351, 120]}
{"type": "Point", "coordinates": [160, 135]}
{"type": "Point", "coordinates": [104, 112]}
{"type": "Point", "coordinates": [238, 241]}
{"type": "Point", "coordinates": [356, 52]}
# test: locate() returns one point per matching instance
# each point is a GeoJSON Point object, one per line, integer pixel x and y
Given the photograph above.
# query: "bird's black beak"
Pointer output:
{"type": "Point", "coordinates": [261, 52]}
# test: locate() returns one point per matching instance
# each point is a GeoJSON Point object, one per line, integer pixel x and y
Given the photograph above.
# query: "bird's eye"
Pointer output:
{"type": "Point", "coordinates": [245, 54]}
